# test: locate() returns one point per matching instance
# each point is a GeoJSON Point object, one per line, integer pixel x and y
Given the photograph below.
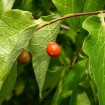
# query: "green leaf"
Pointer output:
{"type": "Point", "coordinates": [16, 29]}
{"type": "Point", "coordinates": [93, 5]}
{"type": "Point", "coordinates": [79, 97]}
{"type": "Point", "coordinates": [55, 98]}
{"type": "Point", "coordinates": [8, 84]}
{"type": "Point", "coordinates": [77, 72]}
{"type": "Point", "coordinates": [70, 82]}
{"type": "Point", "coordinates": [74, 77]}
{"type": "Point", "coordinates": [57, 94]}
{"type": "Point", "coordinates": [6, 5]}
{"type": "Point", "coordinates": [52, 79]}
{"type": "Point", "coordinates": [94, 47]}
{"type": "Point", "coordinates": [38, 45]}
{"type": "Point", "coordinates": [70, 6]}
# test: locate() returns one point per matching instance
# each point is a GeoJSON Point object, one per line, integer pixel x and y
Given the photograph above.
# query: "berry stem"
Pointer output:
{"type": "Point", "coordinates": [69, 16]}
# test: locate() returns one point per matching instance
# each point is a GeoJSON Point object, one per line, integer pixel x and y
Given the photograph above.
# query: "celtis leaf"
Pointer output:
{"type": "Point", "coordinates": [8, 84]}
{"type": "Point", "coordinates": [70, 6]}
{"type": "Point", "coordinates": [74, 77]}
{"type": "Point", "coordinates": [16, 29]}
{"type": "Point", "coordinates": [37, 45]}
{"type": "Point", "coordinates": [94, 47]}
{"type": "Point", "coordinates": [6, 5]}
{"type": "Point", "coordinates": [93, 5]}
{"type": "Point", "coordinates": [79, 97]}
{"type": "Point", "coordinates": [52, 79]}
{"type": "Point", "coordinates": [55, 97]}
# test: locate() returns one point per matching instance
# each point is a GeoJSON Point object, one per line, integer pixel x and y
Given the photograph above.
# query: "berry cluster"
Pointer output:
{"type": "Point", "coordinates": [53, 50]}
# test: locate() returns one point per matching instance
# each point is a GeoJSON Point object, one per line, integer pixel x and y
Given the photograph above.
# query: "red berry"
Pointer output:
{"type": "Point", "coordinates": [53, 49]}
{"type": "Point", "coordinates": [24, 57]}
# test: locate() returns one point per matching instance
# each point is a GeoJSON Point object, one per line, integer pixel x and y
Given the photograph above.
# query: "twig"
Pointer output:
{"type": "Point", "coordinates": [65, 27]}
{"type": "Point", "coordinates": [69, 16]}
{"type": "Point", "coordinates": [74, 60]}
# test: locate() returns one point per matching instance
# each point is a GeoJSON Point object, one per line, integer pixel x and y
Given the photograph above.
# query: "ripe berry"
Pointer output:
{"type": "Point", "coordinates": [53, 49]}
{"type": "Point", "coordinates": [24, 57]}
